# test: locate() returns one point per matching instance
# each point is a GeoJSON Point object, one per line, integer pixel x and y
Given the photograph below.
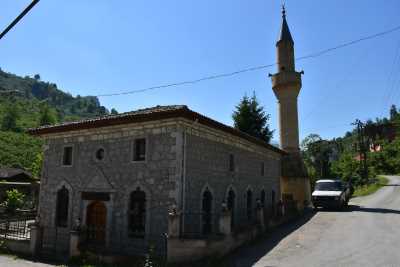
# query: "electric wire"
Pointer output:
{"type": "Point", "coordinates": [224, 75]}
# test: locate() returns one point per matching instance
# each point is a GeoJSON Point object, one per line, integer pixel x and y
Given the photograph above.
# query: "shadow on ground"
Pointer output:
{"type": "Point", "coordinates": [356, 208]}
{"type": "Point", "coordinates": [373, 210]}
{"type": "Point", "coordinates": [248, 256]}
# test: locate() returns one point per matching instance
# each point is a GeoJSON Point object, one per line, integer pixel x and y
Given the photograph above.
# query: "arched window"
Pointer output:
{"type": "Point", "coordinates": [207, 212]}
{"type": "Point", "coordinates": [137, 213]}
{"type": "Point", "coordinates": [249, 203]}
{"type": "Point", "coordinates": [273, 202]}
{"type": "Point", "coordinates": [262, 198]}
{"type": "Point", "coordinates": [231, 206]}
{"type": "Point", "coordinates": [62, 207]}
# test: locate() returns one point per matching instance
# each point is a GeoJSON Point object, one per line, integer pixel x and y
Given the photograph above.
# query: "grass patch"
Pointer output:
{"type": "Point", "coordinates": [371, 188]}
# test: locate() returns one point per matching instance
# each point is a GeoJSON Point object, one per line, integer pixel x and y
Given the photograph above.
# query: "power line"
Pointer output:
{"type": "Point", "coordinates": [338, 84]}
{"type": "Point", "coordinates": [391, 79]}
{"type": "Point", "coordinates": [20, 16]}
{"type": "Point", "coordinates": [223, 75]}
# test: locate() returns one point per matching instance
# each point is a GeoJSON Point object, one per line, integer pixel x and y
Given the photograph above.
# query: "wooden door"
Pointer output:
{"type": "Point", "coordinates": [96, 221]}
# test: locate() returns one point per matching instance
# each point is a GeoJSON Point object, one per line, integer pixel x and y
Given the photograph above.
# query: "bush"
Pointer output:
{"type": "Point", "coordinates": [14, 200]}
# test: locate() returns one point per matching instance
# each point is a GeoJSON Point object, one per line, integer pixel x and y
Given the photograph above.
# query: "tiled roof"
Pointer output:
{"type": "Point", "coordinates": [148, 114]}
{"type": "Point", "coordinates": [7, 173]}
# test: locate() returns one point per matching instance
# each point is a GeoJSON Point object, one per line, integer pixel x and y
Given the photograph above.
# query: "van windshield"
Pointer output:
{"type": "Point", "coordinates": [329, 186]}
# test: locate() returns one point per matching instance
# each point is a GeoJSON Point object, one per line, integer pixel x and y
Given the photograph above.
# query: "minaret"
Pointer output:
{"type": "Point", "coordinates": [286, 84]}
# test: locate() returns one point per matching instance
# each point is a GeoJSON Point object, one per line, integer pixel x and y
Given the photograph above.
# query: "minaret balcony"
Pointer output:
{"type": "Point", "coordinates": [286, 78]}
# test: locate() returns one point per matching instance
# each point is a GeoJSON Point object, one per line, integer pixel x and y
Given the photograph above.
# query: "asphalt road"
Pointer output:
{"type": "Point", "coordinates": [366, 234]}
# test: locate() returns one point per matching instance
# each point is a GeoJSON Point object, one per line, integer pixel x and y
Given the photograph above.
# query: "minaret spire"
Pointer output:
{"type": "Point", "coordinates": [285, 32]}
{"type": "Point", "coordinates": [283, 11]}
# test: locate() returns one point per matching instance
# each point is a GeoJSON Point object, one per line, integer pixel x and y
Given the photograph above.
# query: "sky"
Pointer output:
{"type": "Point", "coordinates": [94, 47]}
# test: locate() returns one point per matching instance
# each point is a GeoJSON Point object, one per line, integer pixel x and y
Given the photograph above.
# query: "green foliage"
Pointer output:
{"type": "Point", "coordinates": [364, 190]}
{"type": "Point", "coordinates": [250, 117]}
{"type": "Point", "coordinates": [394, 113]}
{"type": "Point", "coordinates": [47, 116]}
{"type": "Point", "coordinates": [19, 150]}
{"type": "Point", "coordinates": [33, 89]}
{"type": "Point", "coordinates": [347, 167]}
{"type": "Point", "coordinates": [114, 111]}
{"type": "Point", "coordinates": [36, 166]}
{"type": "Point", "coordinates": [34, 103]}
{"type": "Point", "coordinates": [318, 155]}
{"type": "Point", "coordinates": [10, 117]}
{"type": "Point", "coordinates": [14, 200]}
{"type": "Point", "coordinates": [387, 160]}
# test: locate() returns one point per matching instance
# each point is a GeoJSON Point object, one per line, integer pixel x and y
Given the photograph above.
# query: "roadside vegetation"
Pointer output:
{"type": "Point", "coordinates": [364, 190]}
{"type": "Point", "coordinates": [370, 149]}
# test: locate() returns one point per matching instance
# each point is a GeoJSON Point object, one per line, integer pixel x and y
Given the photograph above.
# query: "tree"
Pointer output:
{"type": "Point", "coordinates": [36, 166]}
{"type": "Point", "coordinates": [393, 112]}
{"type": "Point", "coordinates": [46, 116]}
{"type": "Point", "coordinates": [14, 200]}
{"type": "Point", "coordinates": [310, 139]}
{"type": "Point", "coordinates": [318, 155]}
{"type": "Point", "coordinates": [348, 168]}
{"type": "Point", "coordinates": [10, 118]}
{"type": "Point", "coordinates": [250, 117]}
{"type": "Point", "coordinates": [114, 111]}
{"type": "Point", "coordinates": [37, 77]}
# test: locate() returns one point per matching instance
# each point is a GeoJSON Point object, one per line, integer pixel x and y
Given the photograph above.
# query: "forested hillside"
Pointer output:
{"type": "Point", "coordinates": [371, 148]}
{"type": "Point", "coordinates": [30, 102]}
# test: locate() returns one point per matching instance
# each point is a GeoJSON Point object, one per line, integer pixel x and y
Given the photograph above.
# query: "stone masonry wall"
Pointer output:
{"type": "Point", "coordinates": [182, 159]}
{"type": "Point", "coordinates": [207, 165]}
{"type": "Point", "coordinates": [116, 174]}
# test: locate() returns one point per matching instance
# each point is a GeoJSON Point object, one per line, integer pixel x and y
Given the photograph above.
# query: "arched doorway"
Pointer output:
{"type": "Point", "coordinates": [231, 206]}
{"type": "Point", "coordinates": [207, 212]}
{"type": "Point", "coordinates": [96, 216]}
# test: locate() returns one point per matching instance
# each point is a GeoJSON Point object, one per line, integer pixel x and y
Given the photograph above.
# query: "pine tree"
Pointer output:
{"type": "Point", "coordinates": [393, 112]}
{"type": "Point", "coordinates": [250, 117]}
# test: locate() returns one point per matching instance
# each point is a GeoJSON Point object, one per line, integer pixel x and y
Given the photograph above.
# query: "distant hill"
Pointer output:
{"type": "Point", "coordinates": [32, 89]}
{"type": "Point", "coordinates": [26, 97]}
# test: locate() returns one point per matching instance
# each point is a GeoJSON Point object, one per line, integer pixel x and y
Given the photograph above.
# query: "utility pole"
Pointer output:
{"type": "Point", "coordinates": [362, 149]}
{"type": "Point", "coordinates": [17, 19]}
